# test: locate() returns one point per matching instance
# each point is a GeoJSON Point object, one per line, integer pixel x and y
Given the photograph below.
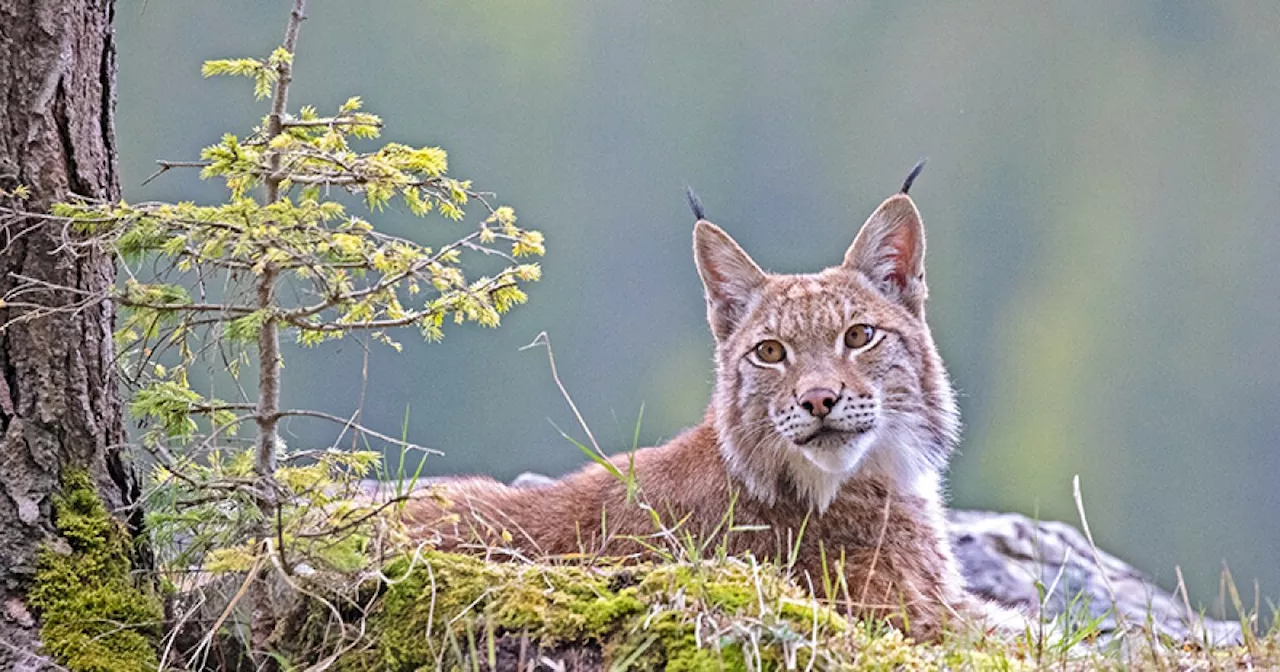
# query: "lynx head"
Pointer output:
{"type": "Point", "coordinates": [831, 376]}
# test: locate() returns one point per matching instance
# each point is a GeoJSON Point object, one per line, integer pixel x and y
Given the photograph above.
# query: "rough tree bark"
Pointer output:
{"type": "Point", "coordinates": [59, 407]}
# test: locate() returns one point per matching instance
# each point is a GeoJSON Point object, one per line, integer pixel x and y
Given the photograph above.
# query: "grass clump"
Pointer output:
{"type": "Point", "coordinates": [94, 618]}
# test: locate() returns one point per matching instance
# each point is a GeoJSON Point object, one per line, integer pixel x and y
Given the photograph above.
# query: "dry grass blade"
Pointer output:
{"type": "Point", "coordinates": [207, 640]}
{"type": "Point", "coordinates": [875, 557]}
{"type": "Point", "coordinates": [1121, 621]}
{"type": "Point", "coordinates": [544, 340]}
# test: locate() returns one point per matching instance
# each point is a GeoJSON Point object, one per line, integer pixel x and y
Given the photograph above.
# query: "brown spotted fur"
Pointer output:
{"type": "Point", "coordinates": [870, 495]}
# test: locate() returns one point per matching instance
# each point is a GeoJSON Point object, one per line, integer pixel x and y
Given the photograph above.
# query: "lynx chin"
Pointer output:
{"type": "Point", "coordinates": [831, 422]}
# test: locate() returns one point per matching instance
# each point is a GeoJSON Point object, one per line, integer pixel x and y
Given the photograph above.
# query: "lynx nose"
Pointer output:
{"type": "Point", "coordinates": [818, 401]}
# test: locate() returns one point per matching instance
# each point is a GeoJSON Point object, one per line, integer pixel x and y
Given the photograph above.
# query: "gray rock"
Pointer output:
{"type": "Point", "coordinates": [1010, 559]}
{"type": "Point", "coordinates": [531, 480]}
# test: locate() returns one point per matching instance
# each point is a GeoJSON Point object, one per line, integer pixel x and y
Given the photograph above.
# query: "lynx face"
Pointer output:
{"type": "Point", "coordinates": [824, 377]}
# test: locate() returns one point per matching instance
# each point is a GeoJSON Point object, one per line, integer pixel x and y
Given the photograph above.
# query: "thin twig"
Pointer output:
{"type": "Point", "coordinates": [394, 501]}
{"type": "Point", "coordinates": [347, 421]}
{"type": "Point", "coordinates": [329, 121]}
{"type": "Point", "coordinates": [166, 166]}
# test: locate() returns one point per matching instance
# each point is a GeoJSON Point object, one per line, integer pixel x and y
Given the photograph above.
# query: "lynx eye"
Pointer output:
{"type": "Point", "coordinates": [770, 351]}
{"type": "Point", "coordinates": [859, 335]}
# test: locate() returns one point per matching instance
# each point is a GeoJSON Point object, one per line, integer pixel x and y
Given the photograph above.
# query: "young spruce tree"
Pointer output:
{"type": "Point", "coordinates": [283, 259]}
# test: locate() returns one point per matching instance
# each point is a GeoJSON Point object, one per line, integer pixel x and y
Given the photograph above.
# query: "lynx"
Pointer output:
{"type": "Point", "coordinates": [831, 412]}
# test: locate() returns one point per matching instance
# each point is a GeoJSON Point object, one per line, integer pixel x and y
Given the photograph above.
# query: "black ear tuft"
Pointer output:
{"type": "Point", "coordinates": [911, 177]}
{"type": "Point", "coordinates": [694, 203]}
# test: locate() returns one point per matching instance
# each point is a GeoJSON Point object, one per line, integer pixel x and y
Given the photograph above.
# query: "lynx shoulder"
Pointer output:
{"type": "Point", "coordinates": [831, 413]}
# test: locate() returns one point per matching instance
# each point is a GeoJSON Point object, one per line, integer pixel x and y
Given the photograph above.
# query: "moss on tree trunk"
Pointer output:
{"type": "Point", "coordinates": [95, 616]}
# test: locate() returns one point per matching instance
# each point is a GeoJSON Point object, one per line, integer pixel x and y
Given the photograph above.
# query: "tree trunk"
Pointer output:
{"type": "Point", "coordinates": [59, 407]}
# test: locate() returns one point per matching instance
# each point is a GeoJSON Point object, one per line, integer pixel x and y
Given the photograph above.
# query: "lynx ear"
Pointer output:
{"type": "Point", "coordinates": [730, 277]}
{"type": "Point", "coordinates": [889, 250]}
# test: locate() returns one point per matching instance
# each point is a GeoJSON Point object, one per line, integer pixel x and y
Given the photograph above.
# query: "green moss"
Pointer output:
{"type": "Point", "coordinates": [93, 617]}
{"type": "Point", "coordinates": [670, 642]}
{"type": "Point", "coordinates": [723, 586]}
{"type": "Point", "coordinates": [446, 598]}
{"type": "Point", "coordinates": [444, 608]}
{"type": "Point", "coordinates": [447, 611]}
{"type": "Point", "coordinates": [807, 613]}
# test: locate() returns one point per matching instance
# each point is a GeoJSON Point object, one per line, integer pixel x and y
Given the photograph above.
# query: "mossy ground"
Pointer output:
{"type": "Point", "coordinates": [453, 612]}
{"type": "Point", "coordinates": [446, 611]}
{"type": "Point", "coordinates": [93, 617]}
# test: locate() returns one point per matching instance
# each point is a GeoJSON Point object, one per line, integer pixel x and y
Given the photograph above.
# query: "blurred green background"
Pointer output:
{"type": "Point", "coordinates": [1101, 200]}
